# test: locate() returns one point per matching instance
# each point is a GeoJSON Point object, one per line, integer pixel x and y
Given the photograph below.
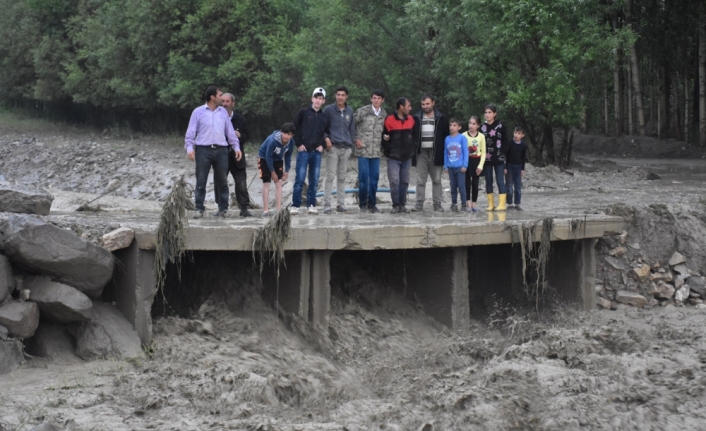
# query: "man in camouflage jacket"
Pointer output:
{"type": "Point", "coordinates": [369, 122]}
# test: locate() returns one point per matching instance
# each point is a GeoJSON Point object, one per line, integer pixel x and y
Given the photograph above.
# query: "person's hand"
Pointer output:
{"type": "Point", "coordinates": [301, 148]}
{"type": "Point", "coordinates": [505, 171]}
{"type": "Point", "coordinates": [320, 148]}
{"type": "Point", "coordinates": [274, 176]}
{"type": "Point", "coordinates": [284, 176]}
{"type": "Point", "coordinates": [237, 133]}
{"type": "Point", "coordinates": [328, 144]}
{"type": "Point", "coordinates": [386, 137]}
{"type": "Point", "coordinates": [359, 144]}
{"type": "Point", "coordinates": [478, 171]}
{"type": "Point", "coordinates": [522, 174]}
{"type": "Point", "coordinates": [191, 155]}
{"type": "Point", "coordinates": [238, 155]}
{"type": "Point", "coordinates": [464, 170]}
{"type": "Point", "coordinates": [446, 171]}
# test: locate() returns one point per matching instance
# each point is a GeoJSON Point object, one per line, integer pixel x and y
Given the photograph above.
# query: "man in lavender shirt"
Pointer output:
{"type": "Point", "coordinates": [207, 138]}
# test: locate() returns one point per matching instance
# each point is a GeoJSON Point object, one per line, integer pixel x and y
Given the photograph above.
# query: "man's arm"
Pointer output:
{"type": "Point", "coordinates": [242, 127]}
{"type": "Point", "coordinates": [351, 128]}
{"type": "Point", "coordinates": [288, 156]}
{"type": "Point", "coordinates": [269, 152]}
{"type": "Point", "coordinates": [191, 133]}
{"type": "Point", "coordinates": [232, 137]}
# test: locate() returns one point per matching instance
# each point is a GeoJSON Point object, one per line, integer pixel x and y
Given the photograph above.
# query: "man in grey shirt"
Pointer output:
{"type": "Point", "coordinates": [339, 145]}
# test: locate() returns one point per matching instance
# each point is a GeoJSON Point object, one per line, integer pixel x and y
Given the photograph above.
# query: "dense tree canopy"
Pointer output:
{"type": "Point", "coordinates": [616, 66]}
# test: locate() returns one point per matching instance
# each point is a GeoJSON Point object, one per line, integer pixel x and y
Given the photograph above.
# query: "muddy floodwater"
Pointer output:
{"type": "Point", "coordinates": [235, 364]}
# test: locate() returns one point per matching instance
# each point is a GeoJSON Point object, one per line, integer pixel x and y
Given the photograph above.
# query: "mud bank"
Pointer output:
{"type": "Point", "coordinates": [230, 361]}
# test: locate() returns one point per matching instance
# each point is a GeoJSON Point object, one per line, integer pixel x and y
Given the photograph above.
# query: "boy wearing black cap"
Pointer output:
{"type": "Point", "coordinates": [312, 127]}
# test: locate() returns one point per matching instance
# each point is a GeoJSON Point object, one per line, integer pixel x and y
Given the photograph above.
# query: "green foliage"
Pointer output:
{"type": "Point", "coordinates": [543, 62]}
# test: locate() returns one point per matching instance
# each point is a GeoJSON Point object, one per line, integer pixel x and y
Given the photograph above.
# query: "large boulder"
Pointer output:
{"type": "Point", "coordinates": [20, 318]}
{"type": "Point", "coordinates": [117, 239]}
{"type": "Point", "coordinates": [630, 298]}
{"type": "Point", "coordinates": [22, 199]}
{"type": "Point", "coordinates": [7, 278]}
{"type": "Point", "coordinates": [107, 335]}
{"type": "Point", "coordinates": [10, 356]}
{"type": "Point", "coordinates": [38, 246]}
{"type": "Point", "coordinates": [58, 302]}
{"type": "Point", "coordinates": [52, 341]}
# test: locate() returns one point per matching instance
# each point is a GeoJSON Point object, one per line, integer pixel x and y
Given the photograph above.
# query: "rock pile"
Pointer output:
{"type": "Point", "coordinates": [51, 284]}
{"type": "Point", "coordinates": [626, 276]}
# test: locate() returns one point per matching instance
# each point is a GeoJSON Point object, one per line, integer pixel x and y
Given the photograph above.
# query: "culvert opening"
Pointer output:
{"type": "Point", "coordinates": [228, 276]}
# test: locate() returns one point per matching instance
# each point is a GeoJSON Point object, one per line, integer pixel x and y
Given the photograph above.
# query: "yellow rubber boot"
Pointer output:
{"type": "Point", "coordinates": [491, 202]}
{"type": "Point", "coordinates": [502, 205]}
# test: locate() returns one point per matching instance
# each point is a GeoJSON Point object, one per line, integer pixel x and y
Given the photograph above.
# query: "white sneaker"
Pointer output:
{"type": "Point", "coordinates": [294, 210]}
{"type": "Point", "coordinates": [312, 210]}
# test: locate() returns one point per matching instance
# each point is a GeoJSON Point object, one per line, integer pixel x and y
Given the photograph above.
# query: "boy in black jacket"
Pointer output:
{"type": "Point", "coordinates": [515, 168]}
{"type": "Point", "coordinates": [312, 127]}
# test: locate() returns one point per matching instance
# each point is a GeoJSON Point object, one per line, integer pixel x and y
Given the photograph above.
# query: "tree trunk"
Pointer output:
{"type": "Point", "coordinates": [605, 112]}
{"type": "Point", "coordinates": [548, 135]}
{"type": "Point", "coordinates": [637, 88]}
{"type": "Point", "coordinates": [676, 118]}
{"type": "Point", "coordinates": [631, 122]}
{"type": "Point", "coordinates": [665, 110]}
{"type": "Point", "coordinates": [584, 115]}
{"type": "Point", "coordinates": [702, 76]}
{"type": "Point", "coordinates": [617, 112]}
{"type": "Point", "coordinates": [686, 106]}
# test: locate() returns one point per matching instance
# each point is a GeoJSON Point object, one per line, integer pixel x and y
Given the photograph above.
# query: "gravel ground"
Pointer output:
{"type": "Point", "coordinates": [383, 364]}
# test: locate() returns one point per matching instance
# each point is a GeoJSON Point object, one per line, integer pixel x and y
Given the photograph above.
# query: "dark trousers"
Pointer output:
{"type": "Point", "coordinates": [205, 158]}
{"type": "Point", "coordinates": [472, 179]}
{"type": "Point", "coordinates": [241, 180]}
{"type": "Point", "coordinates": [458, 185]}
{"type": "Point", "coordinates": [498, 170]}
{"type": "Point", "coordinates": [513, 179]}
{"type": "Point", "coordinates": [368, 176]}
{"type": "Point", "coordinates": [398, 176]}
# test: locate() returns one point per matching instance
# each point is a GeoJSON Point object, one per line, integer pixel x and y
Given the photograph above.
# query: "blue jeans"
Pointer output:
{"type": "Point", "coordinates": [205, 158]}
{"type": "Point", "coordinates": [514, 181]}
{"type": "Point", "coordinates": [488, 170]}
{"type": "Point", "coordinates": [368, 176]}
{"type": "Point", "coordinates": [458, 183]}
{"type": "Point", "coordinates": [398, 176]}
{"type": "Point", "coordinates": [311, 160]}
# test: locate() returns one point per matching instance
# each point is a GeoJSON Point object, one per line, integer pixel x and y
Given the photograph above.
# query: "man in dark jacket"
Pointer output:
{"type": "Point", "coordinates": [237, 167]}
{"type": "Point", "coordinates": [433, 130]}
{"type": "Point", "coordinates": [400, 139]}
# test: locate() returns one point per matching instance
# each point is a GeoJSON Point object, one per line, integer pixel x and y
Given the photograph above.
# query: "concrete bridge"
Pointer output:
{"type": "Point", "coordinates": [444, 261]}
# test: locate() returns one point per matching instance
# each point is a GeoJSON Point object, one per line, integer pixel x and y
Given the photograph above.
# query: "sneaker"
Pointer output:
{"type": "Point", "coordinates": [470, 210]}
{"type": "Point", "coordinates": [244, 212]}
{"type": "Point", "coordinates": [418, 207]}
{"type": "Point", "coordinates": [437, 207]}
{"type": "Point", "coordinates": [395, 210]}
{"type": "Point", "coordinates": [312, 210]}
{"type": "Point", "coordinates": [265, 213]}
{"type": "Point", "coordinates": [342, 209]}
{"type": "Point", "coordinates": [474, 209]}
{"type": "Point", "coordinates": [373, 210]}
{"type": "Point", "coordinates": [294, 210]}
{"type": "Point", "coordinates": [453, 208]}
{"type": "Point", "coordinates": [327, 209]}
{"type": "Point", "coordinates": [198, 214]}
{"type": "Point", "coordinates": [221, 214]}
{"type": "Point", "coordinates": [518, 208]}
{"type": "Point", "coordinates": [403, 209]}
